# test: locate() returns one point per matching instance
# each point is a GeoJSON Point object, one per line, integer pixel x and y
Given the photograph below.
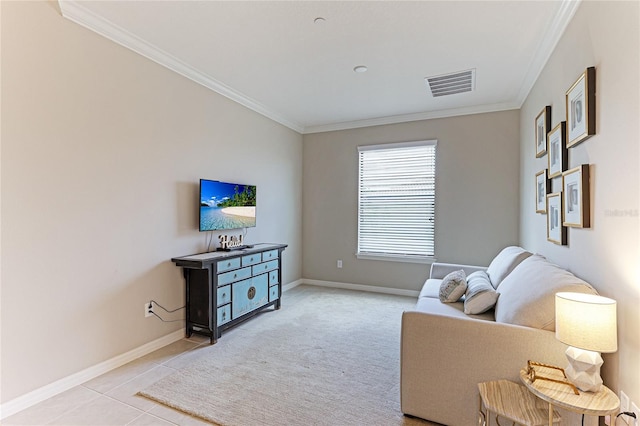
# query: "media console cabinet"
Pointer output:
{"type": "Point", "coordinates": [224, 288]}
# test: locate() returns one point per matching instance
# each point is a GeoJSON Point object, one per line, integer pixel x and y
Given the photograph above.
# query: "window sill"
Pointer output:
{"type": "Point", "coordinates": [396, 258]}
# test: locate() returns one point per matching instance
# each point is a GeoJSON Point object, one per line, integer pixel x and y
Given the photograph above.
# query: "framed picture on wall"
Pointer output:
{"type": "Point", "coordinates": [543, 187]}
{"type": "Point", "coordinates": [575, 189]}
{"type": "Point", "coordinates": [556, 232]}
{"type": "Point", "coordinates": [543, 125]}
{"type": "Point", "coordinates": [580, 102]}
{"type": "Point", "coordinates": [557, 150]}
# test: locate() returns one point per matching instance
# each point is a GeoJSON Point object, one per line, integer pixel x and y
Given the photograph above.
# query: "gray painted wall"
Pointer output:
{"type": "Point", "coordinates": [476, 196]}
{"type": "Point", "coordinates": [102, 151]}
{"type": "Point", "coordinates": [604, 35]}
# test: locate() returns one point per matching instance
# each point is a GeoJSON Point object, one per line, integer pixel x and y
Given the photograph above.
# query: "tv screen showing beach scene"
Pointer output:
{"type": "Point", "coordinates": [225, 205]}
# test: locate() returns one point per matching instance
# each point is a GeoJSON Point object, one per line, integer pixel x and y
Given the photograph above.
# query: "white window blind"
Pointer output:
{"type": "Point", "coordinates": [396, 200]}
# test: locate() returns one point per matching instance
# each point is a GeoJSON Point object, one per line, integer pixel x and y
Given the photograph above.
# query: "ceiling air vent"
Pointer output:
{"type": "Point", "coordinates": [450, 84]}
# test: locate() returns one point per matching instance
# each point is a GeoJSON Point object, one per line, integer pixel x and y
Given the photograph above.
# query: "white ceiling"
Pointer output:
{"type": "Point", "coordinates": [271, 57]}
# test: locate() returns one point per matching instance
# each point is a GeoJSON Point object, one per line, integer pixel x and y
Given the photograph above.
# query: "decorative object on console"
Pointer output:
{"type": "Point", "coordinates": [543, 187]}
{"type": "Point", "coordinates": [231, 243]}
{"type": "Point", "coordinates": [580, 102]}
{"type": "Point", "coordinates": [587, 323]}
{"type": "Point", "coordinates": [558, 159]}
{"type": "Point", "coordinates": [576, 206]}
{"type": "Point", "coordinates": [556, 232]}
{"type": "Point", "coordinates": [543, 126]}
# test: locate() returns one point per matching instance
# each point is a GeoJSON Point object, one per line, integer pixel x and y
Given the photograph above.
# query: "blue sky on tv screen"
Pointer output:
{"type": "Point", "coordinates": [214, 192]}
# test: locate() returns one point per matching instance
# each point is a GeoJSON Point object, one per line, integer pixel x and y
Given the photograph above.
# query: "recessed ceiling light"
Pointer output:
{"type": "Point", "coordinates": [319, 20]}
{"type": "Point", "coordinates": [360, 68]}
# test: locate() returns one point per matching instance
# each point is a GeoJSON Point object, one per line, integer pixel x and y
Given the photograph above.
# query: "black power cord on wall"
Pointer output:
{"type": "Point", "coordinates": [166, 310]}
{"type": "Point", "coordinates": [625, 413]}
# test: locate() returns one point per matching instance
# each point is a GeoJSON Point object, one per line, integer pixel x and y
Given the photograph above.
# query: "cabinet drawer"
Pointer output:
{"type": "Point", "coordinates": [264, 267]}
{"type": "Point", "coordinates": [237, 275]}
{"type": "Point", "coordinates": [224, 295]}
{"type": "Point", "coordinates": [273, 293]}
{"type": "Point", "coordinates": [226, 265]}
{"type": "Point", "coordinates": [251, 259]}
{"type": "Point", "coordinates": [249, 295]}
{"type": "Point", "coordinates": [273, 277]}
{"type": "Point", "coordinates": [270, 255]}
{"type": "Point", "coordinates": [224, 314]}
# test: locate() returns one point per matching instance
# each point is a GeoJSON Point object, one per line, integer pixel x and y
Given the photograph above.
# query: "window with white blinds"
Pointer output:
{"type": "Point", "coordinates": [396, 201]}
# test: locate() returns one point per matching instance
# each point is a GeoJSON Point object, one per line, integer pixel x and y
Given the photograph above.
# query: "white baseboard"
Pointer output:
{"type": "Point", "coordinates": [361, 287]}
{"type": "Point", "coordinates": [27, 400]}
{"type": "Point", "coordinates": [287, 287]}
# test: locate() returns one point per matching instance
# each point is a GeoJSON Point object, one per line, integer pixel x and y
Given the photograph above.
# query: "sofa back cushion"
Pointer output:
{"type": "Point", "coordinates": [504, 262]}
{"type": "Point", "coordinates": [527, 294]}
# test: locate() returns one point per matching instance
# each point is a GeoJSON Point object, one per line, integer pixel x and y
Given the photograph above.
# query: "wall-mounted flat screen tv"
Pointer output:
{"type": "Point", "coordinates": [225, 205]}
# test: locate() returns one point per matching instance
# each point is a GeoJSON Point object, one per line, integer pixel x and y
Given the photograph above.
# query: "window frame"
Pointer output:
{"type": "Point", "coordinates": [396, 257]}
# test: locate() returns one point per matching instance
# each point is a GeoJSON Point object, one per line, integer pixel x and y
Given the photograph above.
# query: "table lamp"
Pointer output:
{"type": "Point", "coordinates": [587, 323]}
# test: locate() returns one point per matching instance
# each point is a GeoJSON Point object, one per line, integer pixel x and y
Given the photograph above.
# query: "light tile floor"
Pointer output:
{"type": "Point", "coordinates": [111, 399]}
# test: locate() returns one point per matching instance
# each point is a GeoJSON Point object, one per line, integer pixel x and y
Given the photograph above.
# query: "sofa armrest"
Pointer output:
{"type": "Point", "coordinates": [440, 270]}
{"type": "Point", "coordinates": [444, 358]}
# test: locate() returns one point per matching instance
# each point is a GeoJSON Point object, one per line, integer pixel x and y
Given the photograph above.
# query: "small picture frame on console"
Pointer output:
{"type": "Point", "coordinates": [575, 190]}
{"type": "Point", "coordinates": [556, 232]}
{"type": "Point", "coordinates": [580, 102]}
{"type": "Point", "coordinates": [543, 125]}
{"type": "Point", "coordinates": [557, 150]}
{"type": "Point", "coordinates": [543, 187]}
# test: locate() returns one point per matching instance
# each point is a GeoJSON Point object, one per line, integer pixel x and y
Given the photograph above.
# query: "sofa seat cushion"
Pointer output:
{"type": "Point", "coordinates": [502, 265]}
{"type": "Point", "coordinates": [431, 288]}
{"type": "Point", "coordinates": [527, 294]}
{"type": "Point", "coordinates": [433, 305]}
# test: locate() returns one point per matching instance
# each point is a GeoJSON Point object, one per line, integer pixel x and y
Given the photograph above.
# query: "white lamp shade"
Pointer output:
{"type": "Point", "coordinates": [586, 321]}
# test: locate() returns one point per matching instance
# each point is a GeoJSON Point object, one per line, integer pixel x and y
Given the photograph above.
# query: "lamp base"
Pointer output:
{"type": "Point", "coordinates": [584, 369]}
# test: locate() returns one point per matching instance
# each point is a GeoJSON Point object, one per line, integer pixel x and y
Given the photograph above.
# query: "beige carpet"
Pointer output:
{"type": "Point", "coordinates": [328, 357]}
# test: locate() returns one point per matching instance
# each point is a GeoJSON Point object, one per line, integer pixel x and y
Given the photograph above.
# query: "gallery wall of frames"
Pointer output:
{"type": "Point", "coordinates": [570, 207]}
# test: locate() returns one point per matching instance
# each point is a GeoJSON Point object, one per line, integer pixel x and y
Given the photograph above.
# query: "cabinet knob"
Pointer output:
{"type": "Point", "coordinates": [235, 275]}
{"type": "Point", "coordinates": [224, 294]}
{"type": "Point", "coordinates": [229, 264]}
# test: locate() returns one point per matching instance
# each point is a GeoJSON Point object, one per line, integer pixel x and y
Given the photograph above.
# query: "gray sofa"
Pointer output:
{"type": "Point", "coordinates": [445, 353]}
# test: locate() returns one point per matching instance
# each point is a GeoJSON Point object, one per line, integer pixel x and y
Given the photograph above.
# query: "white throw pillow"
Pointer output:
{"type": "Point", "coordinates": [504, 262]}
{"type": "Point", "coordinates": [453, 286]}
{"type": "Point", "coordinates": [527, 295]}
{"type": "Point", "coordinates": [480, 295]}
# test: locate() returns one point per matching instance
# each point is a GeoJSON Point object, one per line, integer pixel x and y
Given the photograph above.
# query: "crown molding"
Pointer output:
{"type": "Point", "coordinates": [75, 12]}
{"type": "Point", "coordinates": [405, 118]}
{"type": "Point", "coordinates": [546, 47]}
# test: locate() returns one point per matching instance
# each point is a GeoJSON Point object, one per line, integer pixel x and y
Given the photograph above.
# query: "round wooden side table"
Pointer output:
{"type": "Point", "coordinates": [601, 403]}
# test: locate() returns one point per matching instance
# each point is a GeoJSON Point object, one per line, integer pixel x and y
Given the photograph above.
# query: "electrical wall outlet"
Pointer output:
{"type": "Point", "coordinates": [148, 309]}
{"type": "Point", "coordinates": [339, 264]}
{"type": "Point", "coordinates": [636, 410]}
